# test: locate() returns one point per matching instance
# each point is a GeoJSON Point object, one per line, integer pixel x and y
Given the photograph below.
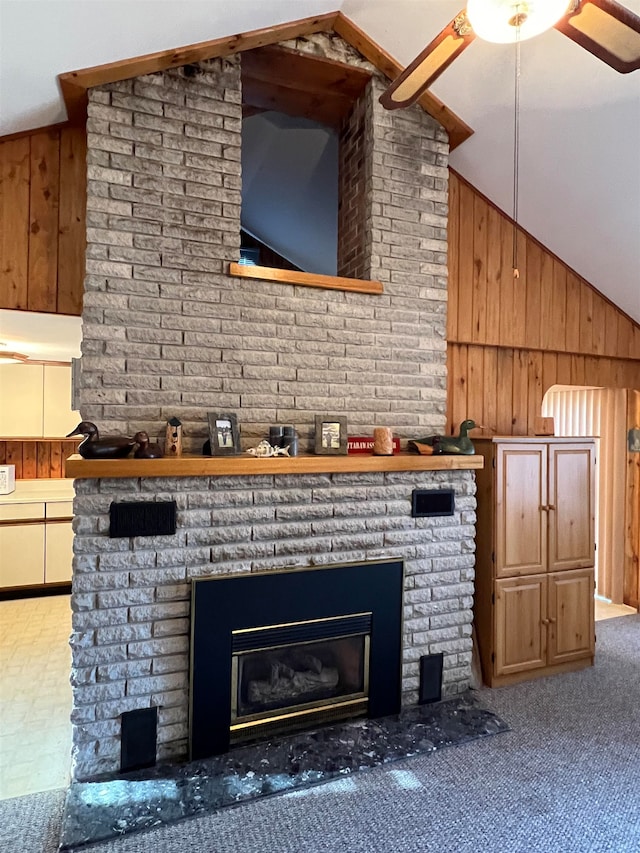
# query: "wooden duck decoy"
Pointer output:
{"type": "Point", "coordinates": [146, 449]}
{"type": "Point", "coordinates": [94, 447]}
{"type": "Point", "coordinates": [446, 444]}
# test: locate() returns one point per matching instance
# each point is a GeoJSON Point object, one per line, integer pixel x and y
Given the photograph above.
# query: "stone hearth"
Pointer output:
{"type": "Point", "coordinates": [99, 810]}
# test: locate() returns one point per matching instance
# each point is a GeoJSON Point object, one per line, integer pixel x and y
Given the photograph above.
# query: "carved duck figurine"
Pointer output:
{"type": "Point", "coordinates": [94, 447]}
{"type": "Point", "coordinates": [446, 444]}
{"type": "Point", "coordinates": [145, 449]}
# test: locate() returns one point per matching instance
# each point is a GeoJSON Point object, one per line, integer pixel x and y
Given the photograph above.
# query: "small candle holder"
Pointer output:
{"type": "Point", "coordinates": [382, 441]}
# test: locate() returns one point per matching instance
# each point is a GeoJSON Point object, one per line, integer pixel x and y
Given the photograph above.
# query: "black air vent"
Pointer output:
{"type": "Point", "coordinates": [142, 518]}
{"type": "Point", "coordinates": [429, 502]}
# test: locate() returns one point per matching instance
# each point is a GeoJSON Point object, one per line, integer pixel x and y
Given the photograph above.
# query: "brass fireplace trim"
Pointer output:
{"type": "Point", "coordinates": [303, 622]}
{"type": "Point", "coordinates": [304, 707]}
{"type": "Point", "coordinates": [361, 701]}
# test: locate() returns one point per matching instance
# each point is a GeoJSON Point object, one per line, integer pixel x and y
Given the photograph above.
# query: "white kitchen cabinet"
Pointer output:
{"type": "Point", "coordinates": [22, 544]}
{"type": "Point", "coordinates": [58, 552]}
{"type": "Point", "coordinates": [36, 543]}
{"type": "Point", "coordinates": [58, 418]}
{"type": "Point", "coordinates": [58, 543]}
{"type": "Point", "coordinates": [35, 401]}
{"type": "Point", "coordinates": [21, 400]}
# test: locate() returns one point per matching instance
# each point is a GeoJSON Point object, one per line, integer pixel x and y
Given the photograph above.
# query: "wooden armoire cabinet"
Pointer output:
{"type": "Point", "coordinates": [535, 550]}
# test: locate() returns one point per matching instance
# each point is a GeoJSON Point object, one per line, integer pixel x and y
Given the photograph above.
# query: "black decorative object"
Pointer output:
{"type": "Point", "coordinates": [138, 739]}
{"type": "Point", "coordinates": [94, 447]}
{"type": "Point", "coordinates": [145, 449]}
{"type": "Point", "coordinates": [142, 518]}
{"type": "Point", "coordinates": [426, 503]}
{"type": "Point", "coordinates": [430, 689]}
{"type": "Point", "coordinates": [459, 444]}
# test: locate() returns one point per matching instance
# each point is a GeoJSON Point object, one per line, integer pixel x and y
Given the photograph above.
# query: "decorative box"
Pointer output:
{"type": "Point", "coordinates": [7, 479]}
{"type": "Point", "coordinates": [364, 444]}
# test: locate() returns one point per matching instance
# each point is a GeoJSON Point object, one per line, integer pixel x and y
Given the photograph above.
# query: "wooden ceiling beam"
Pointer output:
{"type": "Point", "coordinates": [327, 110]}
{"type": "Point", "coordinates": [276, 78]}
{"type": "Point", "coordinates": [150, 63]}
{"type": "Point", "coordinates": [74, 84]}
{"type": "Point", "coordinates": [313, 74]}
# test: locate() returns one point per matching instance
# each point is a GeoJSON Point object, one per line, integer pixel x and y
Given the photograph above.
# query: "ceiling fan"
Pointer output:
{"type": "Point", "coordinates": [605, 28]}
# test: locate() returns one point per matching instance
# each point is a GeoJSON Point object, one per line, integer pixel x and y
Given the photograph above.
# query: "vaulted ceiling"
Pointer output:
{"type": "Point", "coordinates": [580, 121]}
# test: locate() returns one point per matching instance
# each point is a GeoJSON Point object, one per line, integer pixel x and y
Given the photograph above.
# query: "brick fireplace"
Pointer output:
{"type": "Point", "coordinates": [166, 332]}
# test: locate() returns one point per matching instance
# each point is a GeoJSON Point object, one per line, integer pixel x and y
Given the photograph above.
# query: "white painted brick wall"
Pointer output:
{"type": "Point", "coordinates": [132, 596]}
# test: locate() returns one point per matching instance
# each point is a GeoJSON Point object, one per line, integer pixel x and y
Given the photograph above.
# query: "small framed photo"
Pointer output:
{"type": "Point", "coordinates": [224, 434]}
{"type": "Point", "coordinates": [331, 435]}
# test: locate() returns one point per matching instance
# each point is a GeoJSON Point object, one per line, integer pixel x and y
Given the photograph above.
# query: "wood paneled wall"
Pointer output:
{"type": "Point", "coordinates": [509, 340]}
{"type": "Point", "coordinates": [42, 220]}
{"type": "Point", "coordinates": [37, 459]}
{"type": "Point", "coordinates": [632, 511]}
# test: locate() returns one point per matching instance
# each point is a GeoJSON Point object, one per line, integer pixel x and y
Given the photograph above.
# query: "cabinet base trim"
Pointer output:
{"type": "Point", "coordinates": [10, 593]}
{"type": "Point", "coordinates": [542, 672]}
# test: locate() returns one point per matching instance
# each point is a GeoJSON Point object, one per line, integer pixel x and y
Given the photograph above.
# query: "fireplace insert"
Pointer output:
{"type": "Point", "coordinates": [273, 651]}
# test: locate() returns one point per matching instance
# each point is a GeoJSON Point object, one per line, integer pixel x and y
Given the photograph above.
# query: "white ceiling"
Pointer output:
{"type": "Point", "coordinates": [42, 337]}
{"type": "Point", "coordinates": [580, 121]}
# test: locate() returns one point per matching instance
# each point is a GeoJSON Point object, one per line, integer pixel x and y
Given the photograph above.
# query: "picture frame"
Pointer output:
{"type": "Point", "coordinates": [331, 435]}
{"type": "Point", "coordinates": [224, 433]}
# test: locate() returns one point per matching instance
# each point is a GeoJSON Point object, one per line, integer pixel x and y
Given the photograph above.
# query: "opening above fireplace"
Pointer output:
{"type": "Point", "coordinates": [275, 651]}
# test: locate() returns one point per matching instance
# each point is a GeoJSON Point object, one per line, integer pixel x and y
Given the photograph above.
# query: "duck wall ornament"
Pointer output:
{"type": "Point", "coordinates": [146, 449]}
{"type": "Point", "coordinates": [446, 444]}
{"type": "Point", "coordinates": [94, 447]}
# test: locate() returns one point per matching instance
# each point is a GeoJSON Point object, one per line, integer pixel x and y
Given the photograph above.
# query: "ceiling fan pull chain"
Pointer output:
{"type": "Point", "coordinates": [516, 152]}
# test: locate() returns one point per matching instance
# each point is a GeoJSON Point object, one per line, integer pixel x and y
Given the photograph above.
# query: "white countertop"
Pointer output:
{"type": "Point", "coordinates": [40, 491]}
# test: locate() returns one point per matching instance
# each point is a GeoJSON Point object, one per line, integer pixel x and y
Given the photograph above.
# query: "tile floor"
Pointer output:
{"type": "Point", "coordinates": [35, 695]}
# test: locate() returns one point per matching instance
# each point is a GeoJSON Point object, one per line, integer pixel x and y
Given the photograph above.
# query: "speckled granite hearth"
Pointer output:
{"type": "Point", "coordinates": [98, 810]}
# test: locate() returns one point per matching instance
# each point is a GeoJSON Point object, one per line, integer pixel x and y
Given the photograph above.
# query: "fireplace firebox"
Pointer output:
{"type": "Point", "coordinates": [275, 651]}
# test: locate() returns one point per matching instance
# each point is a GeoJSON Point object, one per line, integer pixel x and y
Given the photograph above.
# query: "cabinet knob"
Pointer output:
{"type": "Point", "coordinates": [551, 507]}
{"type": "Point", "coordinates": [544, 508]}
{"type": "Point", "coordinates": [553, 621]}
{"type": "Point", "coordinates": [545, 621]}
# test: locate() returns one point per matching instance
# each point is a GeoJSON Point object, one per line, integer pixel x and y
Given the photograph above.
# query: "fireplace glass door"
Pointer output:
{"type": "Point", "coordinates": [301, 672]}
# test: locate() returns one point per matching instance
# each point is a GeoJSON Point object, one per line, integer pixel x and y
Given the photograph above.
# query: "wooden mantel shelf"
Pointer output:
{"type": "Point", "coordinates": [208, 466]}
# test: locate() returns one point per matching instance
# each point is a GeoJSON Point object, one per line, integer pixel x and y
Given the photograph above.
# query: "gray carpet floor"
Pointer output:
{"type": "Point", "coordinates": [566, 779]}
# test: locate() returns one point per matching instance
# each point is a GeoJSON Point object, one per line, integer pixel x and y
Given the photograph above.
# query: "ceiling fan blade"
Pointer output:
{"type": "Point", "coordinates": [428, 65]}
{"type": "Point", "coordinates": [607, 30]}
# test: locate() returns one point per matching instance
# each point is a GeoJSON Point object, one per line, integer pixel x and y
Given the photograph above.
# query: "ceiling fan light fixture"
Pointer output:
{"type": "Point", "coordinates": [504, 21]}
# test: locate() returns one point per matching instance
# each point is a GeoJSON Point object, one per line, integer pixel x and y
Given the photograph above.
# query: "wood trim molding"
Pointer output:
{"type": "Point", "coordinates": [229, 466]}
{"type": "Point", "coordinates": [328, 282]}
{"type": "Point", "coordinates": [74, 84]}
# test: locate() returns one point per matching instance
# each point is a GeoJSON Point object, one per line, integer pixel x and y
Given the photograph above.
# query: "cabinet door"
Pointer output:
{"type": "Point", "coordinates": [21, 400]}
{"type": "Point", "coordinates": [21, 555]}
{"type": "Point", "coordinates": [571, 506]}
{"type": "Point", "coordinates": [58, 552]}
{"type": "Point", "coordinates": [571, 616]}
{"type": "Point", "coordinates": [58, 417]}
{"type": "Point", "coordinates": [521, 624]}
{"type": "Point", "coordinates": [521, 526]}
